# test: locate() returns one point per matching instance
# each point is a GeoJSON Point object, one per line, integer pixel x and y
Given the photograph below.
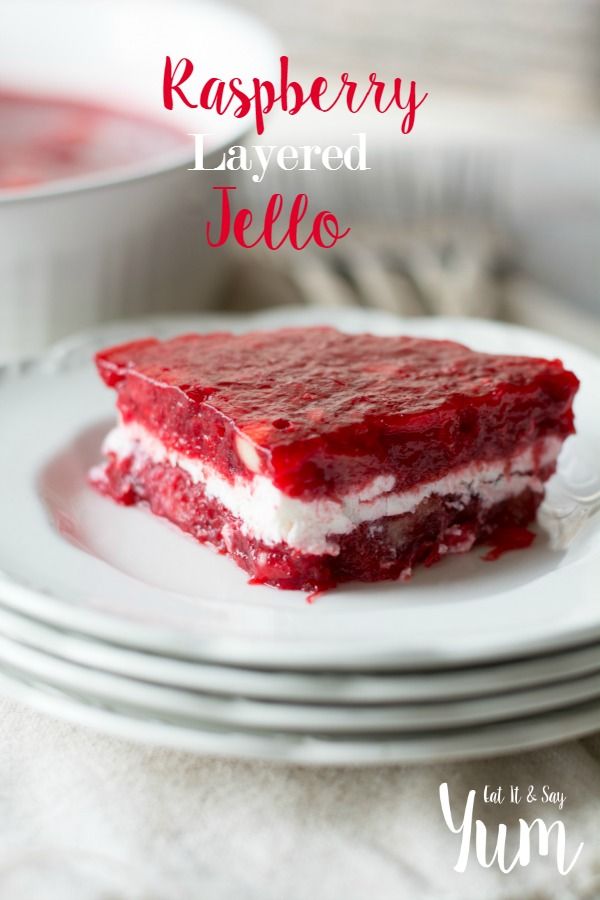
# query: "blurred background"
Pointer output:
{"type": "Point", "coordinates": [490, 207]}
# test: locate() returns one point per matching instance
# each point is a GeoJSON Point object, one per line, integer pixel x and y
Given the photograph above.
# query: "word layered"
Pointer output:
{"type": "Point", "coordinates": [259, 158]}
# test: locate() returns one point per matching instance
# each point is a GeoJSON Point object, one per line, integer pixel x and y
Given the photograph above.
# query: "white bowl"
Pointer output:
{"type": "Point", "coordinates": [129, 240]}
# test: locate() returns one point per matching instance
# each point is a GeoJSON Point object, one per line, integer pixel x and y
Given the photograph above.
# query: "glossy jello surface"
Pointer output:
{"type": "Point", "coordinates": [321, 412]}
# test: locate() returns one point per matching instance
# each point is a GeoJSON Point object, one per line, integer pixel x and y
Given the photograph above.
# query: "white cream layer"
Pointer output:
{"type": "Point", "coordinates": [266, 513]}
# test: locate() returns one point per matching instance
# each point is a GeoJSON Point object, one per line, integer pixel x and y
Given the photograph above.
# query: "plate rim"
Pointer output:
{"type": "Point", "coordinates": [240, 712]}
{"type": "Point", "coordinates": [128, 662]}
{"type": "Point", "coordinates": [497, 739]}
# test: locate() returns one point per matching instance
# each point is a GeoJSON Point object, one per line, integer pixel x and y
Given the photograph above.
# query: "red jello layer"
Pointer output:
{"type": "Point", "coordinates": [387, 548]}
{"type": "Point", "coordinates": [321, 413]}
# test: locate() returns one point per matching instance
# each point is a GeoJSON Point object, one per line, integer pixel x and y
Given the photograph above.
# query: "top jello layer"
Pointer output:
{"type": "Point", "coordinates": [321, 412]}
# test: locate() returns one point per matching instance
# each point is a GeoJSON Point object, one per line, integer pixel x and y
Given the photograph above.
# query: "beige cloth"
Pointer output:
{"type": "Point", "coordinates": [162, 825]}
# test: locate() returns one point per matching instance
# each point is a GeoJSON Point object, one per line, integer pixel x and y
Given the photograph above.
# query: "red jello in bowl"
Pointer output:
{"type": "Point", "coordinates": [48, 139]}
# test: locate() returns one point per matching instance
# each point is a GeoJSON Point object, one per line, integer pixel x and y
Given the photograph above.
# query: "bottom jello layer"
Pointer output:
{"type": "Point", "coordinates": [386, 548]}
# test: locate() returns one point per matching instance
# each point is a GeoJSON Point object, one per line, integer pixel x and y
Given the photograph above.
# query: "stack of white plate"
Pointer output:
{"type": "Point", "coordinates": [113, 618]}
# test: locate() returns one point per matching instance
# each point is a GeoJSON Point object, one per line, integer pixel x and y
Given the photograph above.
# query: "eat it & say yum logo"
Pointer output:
{"type": "Point", "coordinates": [533, 837]}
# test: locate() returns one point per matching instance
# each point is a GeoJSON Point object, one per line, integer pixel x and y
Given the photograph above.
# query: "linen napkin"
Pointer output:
{"type": "Point", "coordinates": [80, 811]}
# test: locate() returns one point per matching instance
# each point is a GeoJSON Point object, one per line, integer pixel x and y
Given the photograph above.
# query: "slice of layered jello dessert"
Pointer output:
{"type": "Point", "coordinates": [313, 457]}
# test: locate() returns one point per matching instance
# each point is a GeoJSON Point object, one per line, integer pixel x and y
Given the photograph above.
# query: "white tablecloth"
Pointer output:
{"type": "Point", "coordinates": [171, 826]}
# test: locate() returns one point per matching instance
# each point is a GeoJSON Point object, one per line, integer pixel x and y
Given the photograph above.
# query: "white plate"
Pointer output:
{"type": "Point", "coordinates": [124, 575]}
{"type": "Point", "coordinates": [416, 747]}
{"type": "Point", "coordinates": [185, 707]}
{"type": "Point", "coordinates": [311, 687]}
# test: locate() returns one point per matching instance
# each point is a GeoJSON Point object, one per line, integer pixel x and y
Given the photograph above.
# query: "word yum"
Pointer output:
{"type": "Point", "coordinates": [522, 856]}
